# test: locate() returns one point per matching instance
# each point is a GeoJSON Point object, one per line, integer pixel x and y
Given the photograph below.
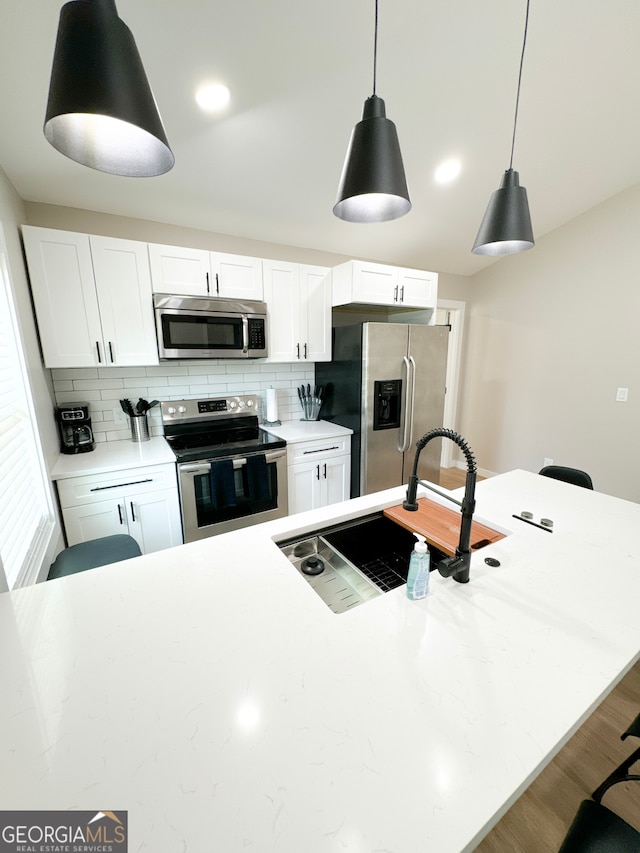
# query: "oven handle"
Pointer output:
{"type": "Point", "coordinates": [239, 462]}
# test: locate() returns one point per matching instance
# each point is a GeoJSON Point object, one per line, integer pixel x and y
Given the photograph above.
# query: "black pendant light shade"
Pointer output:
{"type": "Point", "coordinates": [506, 226]}
{"type": "Point", "coordinates": [373, 187]}
{"type": "Point", "coordinates": [101, 111]}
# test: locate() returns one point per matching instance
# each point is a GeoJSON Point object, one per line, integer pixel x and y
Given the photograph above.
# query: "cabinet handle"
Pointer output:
{"type": "Point", "coordinates": [133, 512]}
{"type": "Point", "coordinates": [99, 356]}
{"type": "Point", "coordinates": [207, 277]}
{"type": "Point", "coordinates": [120, 514]}
{"type": "Point", "coordinates": [305, 350]}
{"type": "Point", "coordinates": [120, 485]}
{"type": "Point", "coordinates": [321, 450]}
{"type": "Point", "coordinates": [325, 471]}
{"type": "Point", "coordinates": [111, 352]}
{"type": "Point", "coordinates": [395, 293]}
{"type": "Point", "coordinates": [402, 293]}
{"type": "Point", "coordinates": [317, 472]}
{"type": "Point", "coordinates": [298, 349]}
{"type": "Point", "coordinates": [217, 284]}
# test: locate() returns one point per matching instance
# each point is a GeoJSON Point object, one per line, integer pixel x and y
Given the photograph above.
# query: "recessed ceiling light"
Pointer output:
{"type": "Point", "coordinates": [447, 171]}
{"type": "Point", "coordinates": [213, 97]}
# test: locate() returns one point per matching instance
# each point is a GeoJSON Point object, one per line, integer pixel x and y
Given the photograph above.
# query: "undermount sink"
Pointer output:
{"type": "Point", "coordinates": [350, 563]}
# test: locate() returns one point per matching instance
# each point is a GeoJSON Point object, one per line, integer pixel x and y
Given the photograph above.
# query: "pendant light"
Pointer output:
{"type": "Point", "coordinates": [506, 226]}
{"type": "Point", "coordinates": [101, 111]}
{"type": "Point", "coordinates": [373, 187]}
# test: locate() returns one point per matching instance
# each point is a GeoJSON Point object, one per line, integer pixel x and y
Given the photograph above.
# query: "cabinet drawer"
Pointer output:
{"type": "Point", "coordinates": [77, 491]}
{"type": "Point", "coordinates": [307, 451]}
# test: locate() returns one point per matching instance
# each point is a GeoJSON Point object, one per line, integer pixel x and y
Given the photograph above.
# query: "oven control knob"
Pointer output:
{"type": "Point", "coordinates": [232, 404]}
{"type": "Point", "coordinates": [182, 409]}
{"type": "Point", "coordinates": [250, 404]}
{"type": "Point", "coordinates": [171, 410]}
{"type": "Point", "coordinates": [241, 404]}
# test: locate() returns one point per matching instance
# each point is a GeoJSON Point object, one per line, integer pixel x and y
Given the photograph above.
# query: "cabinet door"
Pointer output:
{"type": "Point", "coordinates": [82, 523]}
{"type": "Point", "coordinates": [304, 482]}
{"type": "Point", "coordinates": [180, 271]}
{"type": "Point", "coordinates": [236, 276]}
{"type": "Point", "coordinates": [282, 295]}
{"type": "Point", "coordinates": [154, 520]}
{"type": "Point", "coordinates": [64, 296]}
{"type": "Point", "coordinates": [375, 284]}
{"type": "Point", "coordinates": [417, 288]}
{"type": "Point", "coordinates": [336, 474]}
{"type": "Point", "coordinates": [315, 309]}
{"type": "Point", "coordinates": [123, 283]}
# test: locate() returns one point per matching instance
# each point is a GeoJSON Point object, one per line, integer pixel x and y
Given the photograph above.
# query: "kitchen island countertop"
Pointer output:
{"type": "Point", "coordinates": [210, 692]}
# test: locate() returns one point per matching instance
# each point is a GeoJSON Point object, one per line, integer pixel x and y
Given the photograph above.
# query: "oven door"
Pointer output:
{"type": "Point", "coordinates": [236, 499]}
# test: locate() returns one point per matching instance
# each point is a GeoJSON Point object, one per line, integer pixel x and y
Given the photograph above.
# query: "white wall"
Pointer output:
{"type": "Point", "coordinates": [552, 333]}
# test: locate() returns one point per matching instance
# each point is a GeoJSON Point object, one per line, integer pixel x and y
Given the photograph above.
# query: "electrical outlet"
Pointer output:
{"type": "Point", "coordinates": [119, 417]}
{"type": "Point", "coordinates": [622, 395]}
{"type": "Point", "coordinates": [547, 461]}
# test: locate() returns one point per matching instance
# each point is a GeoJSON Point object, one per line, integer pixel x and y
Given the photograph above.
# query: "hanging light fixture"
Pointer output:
{"type": "Point", "coordinates": [373, 187]}
{"type": "Point", "coordinates": [101, 111]}
{"type": "Point", "coordinates": [506, 226]}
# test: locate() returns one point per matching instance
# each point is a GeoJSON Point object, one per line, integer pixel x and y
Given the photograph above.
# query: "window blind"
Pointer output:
{"type": "Point", "coordinates": [26, 515]}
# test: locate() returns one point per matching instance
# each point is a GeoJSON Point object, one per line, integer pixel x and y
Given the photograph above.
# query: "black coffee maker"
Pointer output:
{"type": "Point", "coordinates": [74, 428]}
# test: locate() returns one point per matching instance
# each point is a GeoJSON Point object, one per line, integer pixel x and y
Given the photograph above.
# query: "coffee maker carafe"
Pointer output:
{"type": "Point", "coordinates": [74, 428]}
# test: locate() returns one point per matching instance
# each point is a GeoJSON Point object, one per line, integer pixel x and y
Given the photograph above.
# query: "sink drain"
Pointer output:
{"type": "Point", "coordinates": [312, 566]}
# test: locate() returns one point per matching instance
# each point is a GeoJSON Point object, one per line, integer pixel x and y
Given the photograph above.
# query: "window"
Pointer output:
{"type": "Point", "coordinates": [26, 513]}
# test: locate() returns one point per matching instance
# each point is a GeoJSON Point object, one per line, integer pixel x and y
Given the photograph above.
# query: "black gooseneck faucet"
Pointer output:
{"type": "Point", "coordinates": [458, 566]}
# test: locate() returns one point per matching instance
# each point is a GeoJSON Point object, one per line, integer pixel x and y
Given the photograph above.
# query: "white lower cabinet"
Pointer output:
{"type": "Point", "coordinates": [319, 473]}
{"type": "Point", "coordinates": [142, 502]}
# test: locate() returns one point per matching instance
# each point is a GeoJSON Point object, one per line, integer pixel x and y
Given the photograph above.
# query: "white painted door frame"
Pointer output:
{"type": "Point", "coordinates": [453, 311]}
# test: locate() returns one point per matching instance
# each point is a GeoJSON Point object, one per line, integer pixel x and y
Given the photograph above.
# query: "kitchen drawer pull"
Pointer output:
{"type": "Point", "coordinates": [325, 471]}
{"type": "Point", "coordinates": [111, 352]}
{"type": "Point", "coordinates": [120, 485]}
{"type": "Point", "coordinates": [305, 350]}
{"type": "Point", "coordinates": [99, 356]}
{"type": "Point", "coordinates": [402, 293]}
{"type": "Point", "coordinates": [133, 513]}
{"type": "Point", "coordinates": [207, 277]}
{"type": "Point", "coordinates": [298, 349]}
{"type": "Point", "coordinates": [120, 514]}
{"type": "Point", "coordinates": [217, 284]}
{"type": "Point", "coordinates": [317, 472]}
{"type": "Point", "coordinates": [321, 450]}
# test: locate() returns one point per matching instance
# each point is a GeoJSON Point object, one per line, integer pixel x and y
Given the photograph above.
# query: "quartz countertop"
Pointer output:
{"type": "Point", "coordinates": [113, 456]}
{"type": "Point", "coordinates": [296, 431]}
{"type": "Point", "coordinates": [210, 692]}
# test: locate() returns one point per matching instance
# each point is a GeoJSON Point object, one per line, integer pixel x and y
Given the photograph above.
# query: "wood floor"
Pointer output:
{"type": "Point", "coordinates": [539, 820]}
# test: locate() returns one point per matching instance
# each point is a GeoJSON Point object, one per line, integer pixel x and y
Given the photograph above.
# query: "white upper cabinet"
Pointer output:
{"type": "Point", "coordinates": [92, 297]}
{"type": "Point", "coordinates": [197, 272]}
{"type": "Point", "coordinates": [367, 283]}
{"type": "Point", "coordinates": [298, 298]}
{"type": "Point", "coordinates": [181, 271]}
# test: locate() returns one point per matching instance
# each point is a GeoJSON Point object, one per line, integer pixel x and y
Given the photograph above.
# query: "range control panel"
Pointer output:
{"type": "Point", "coordinates": [212, 407]}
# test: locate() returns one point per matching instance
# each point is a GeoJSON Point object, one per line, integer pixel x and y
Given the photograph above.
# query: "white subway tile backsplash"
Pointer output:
{"type": "Point", "coordinates": [102, 388]}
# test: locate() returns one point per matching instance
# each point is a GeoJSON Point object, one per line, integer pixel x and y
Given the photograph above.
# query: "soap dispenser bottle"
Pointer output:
{"type": "Point", "coordinates": [418, 577]}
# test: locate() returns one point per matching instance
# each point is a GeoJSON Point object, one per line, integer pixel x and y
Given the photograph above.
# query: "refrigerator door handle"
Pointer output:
{"type": "Point", "coordinates": [407, 413]}
{"type": "Point", "coordinates": [412, 362]}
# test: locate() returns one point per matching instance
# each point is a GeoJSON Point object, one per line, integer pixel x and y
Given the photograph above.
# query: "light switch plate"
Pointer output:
{"type": "Point", "coordinates": [622, 395]}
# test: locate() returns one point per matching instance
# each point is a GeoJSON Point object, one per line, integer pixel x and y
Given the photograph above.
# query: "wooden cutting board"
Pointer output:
{"type": "Point", "coordinates": [441, 526]}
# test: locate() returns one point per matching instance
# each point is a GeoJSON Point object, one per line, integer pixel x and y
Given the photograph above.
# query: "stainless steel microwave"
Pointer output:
{"type": "Point", "coordinates": [201, 327]}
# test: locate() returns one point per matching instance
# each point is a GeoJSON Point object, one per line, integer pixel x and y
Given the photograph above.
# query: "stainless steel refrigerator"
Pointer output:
{"type": "Point", "coordinates": [386, 382]}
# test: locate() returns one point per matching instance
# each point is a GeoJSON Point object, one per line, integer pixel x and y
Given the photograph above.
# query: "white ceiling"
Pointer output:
{"type": "Point", "coordinates": [299, 74]}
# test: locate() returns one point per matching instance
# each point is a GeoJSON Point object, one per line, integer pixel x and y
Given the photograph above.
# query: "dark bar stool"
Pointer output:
{"type": "Point", "coordinates": [595, 828]}
{"type": "Point", "coordinates": [90, 555]}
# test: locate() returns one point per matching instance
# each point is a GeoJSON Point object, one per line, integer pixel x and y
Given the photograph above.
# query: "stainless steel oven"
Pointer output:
{"type": "Point", "coordinates": [230, 472]}
{"type": "Point", "coordinates": [200, 327]}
